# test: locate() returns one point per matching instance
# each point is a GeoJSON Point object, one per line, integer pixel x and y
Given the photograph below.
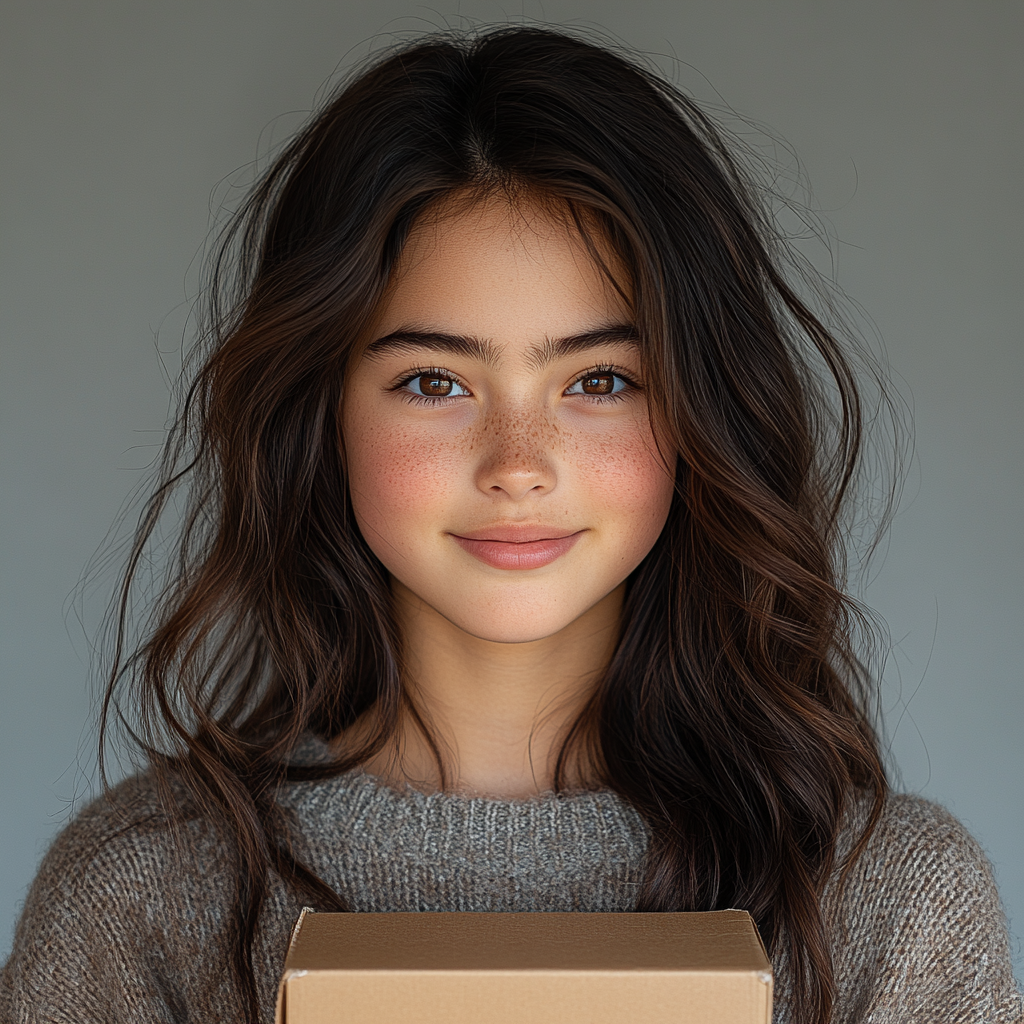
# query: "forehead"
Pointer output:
{"type": "Point", "coordinates": [514, 272]}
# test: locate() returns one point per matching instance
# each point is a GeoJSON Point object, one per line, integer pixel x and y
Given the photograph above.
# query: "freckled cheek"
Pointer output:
{"type": "Point", "coordinates": [400, 478]}
{"type": "Point", "coordinates": [624, 476]}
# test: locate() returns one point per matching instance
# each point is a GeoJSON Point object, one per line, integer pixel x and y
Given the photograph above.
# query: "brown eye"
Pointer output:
{"type": "Point", "coordinates": [598, 384]}
{"type": "Point", "coordinates": [436, 387]}
{"type": "Point", "coordinates": [433, 385]}
{"type": "Point", "coordinates": [430, 384]}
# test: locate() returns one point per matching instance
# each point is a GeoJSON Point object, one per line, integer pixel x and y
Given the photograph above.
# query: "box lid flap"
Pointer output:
{"type": "Point", "coordinates": [724, 940]}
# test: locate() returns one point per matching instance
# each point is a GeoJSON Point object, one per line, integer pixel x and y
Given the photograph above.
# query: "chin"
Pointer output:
{"type": "Point", "coordinates": [506, 632]}
{"type": "Point", "coordinates": [516, 611]}
{"type": "Point", "coordinates": [510, 628]}
{"type": "Point", "coordinates": [518, 614]}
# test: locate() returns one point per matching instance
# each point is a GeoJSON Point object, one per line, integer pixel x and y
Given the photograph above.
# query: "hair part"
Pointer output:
{"type": "Point", "coordinates": [734, 714]}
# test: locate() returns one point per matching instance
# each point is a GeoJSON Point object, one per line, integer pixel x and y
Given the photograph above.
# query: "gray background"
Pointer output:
{"type": "Point", "coordinates": [120, 119]}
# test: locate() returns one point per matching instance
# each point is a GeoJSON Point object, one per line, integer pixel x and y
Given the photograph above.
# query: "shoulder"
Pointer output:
{"type": "Point", "coordinates": [913, 831]}
{"type": "Point", "coordinates": [120, 898]}
{"type": "Point", "coordinates": [920, 926]}
{"type": "Point", "coordinates": [124, 845]}
{"type": "Point", "coordinates": [918, 863]}
{"type": "Point", "coordinates": [918, 847]}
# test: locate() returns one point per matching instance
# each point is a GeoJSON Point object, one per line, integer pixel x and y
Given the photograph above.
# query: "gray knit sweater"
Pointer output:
{"type": "Point", "coordinates": [123, 924]}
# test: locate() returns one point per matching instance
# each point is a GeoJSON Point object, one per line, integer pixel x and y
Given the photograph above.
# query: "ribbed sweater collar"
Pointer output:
{"type": "Point", "coordinates": [388, 849]}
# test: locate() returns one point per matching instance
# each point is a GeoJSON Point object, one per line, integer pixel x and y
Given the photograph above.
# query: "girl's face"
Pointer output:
{"type": "Point", "coordinates": [501, 460]}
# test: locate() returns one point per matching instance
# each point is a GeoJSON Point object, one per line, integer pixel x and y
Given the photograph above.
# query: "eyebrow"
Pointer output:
{"type": "Point", "coordinates": [484, 350]}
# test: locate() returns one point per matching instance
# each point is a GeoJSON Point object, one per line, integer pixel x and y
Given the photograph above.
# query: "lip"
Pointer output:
{"type": "Point", "coordinates": [517, 547]}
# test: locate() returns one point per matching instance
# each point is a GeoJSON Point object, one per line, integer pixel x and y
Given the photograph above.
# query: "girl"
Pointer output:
{"type": "Point", "coordinates": [512, 575]}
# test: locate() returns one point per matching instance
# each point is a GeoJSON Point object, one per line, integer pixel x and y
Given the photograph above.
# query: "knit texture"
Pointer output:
{"type": "Point", "coordinates": [126, 922]}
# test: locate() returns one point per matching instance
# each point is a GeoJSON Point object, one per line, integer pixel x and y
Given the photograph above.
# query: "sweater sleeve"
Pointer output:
{"type": "Point", "coordinates": [82, 950]}
{"type": "Point", "coordinates": [925, 937]}
{"type": "Point", "coordinates": [112, 930]}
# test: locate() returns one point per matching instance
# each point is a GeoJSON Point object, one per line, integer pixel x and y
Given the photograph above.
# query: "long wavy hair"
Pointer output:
{"type": "Point", "coordinates": [734, 715]}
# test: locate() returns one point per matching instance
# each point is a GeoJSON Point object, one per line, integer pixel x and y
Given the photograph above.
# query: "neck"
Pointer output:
{"type": "Point", "coordinates": [498, 712]}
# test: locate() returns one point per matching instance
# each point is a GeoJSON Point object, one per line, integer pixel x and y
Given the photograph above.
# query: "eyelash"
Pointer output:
{"type": "Point", "coordinates": [436, 371]}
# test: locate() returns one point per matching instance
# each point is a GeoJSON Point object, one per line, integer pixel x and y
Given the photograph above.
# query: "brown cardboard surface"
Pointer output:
{"type": "Point", "coordinates": [517, 968]}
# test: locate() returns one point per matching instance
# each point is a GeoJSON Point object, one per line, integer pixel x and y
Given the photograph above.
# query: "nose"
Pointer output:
{"type": "Point", "coordinates": [517, 455]}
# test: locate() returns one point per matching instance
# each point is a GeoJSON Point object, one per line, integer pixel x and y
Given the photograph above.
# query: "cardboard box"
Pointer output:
{"type": "Point", "coordinates": [526, 969]}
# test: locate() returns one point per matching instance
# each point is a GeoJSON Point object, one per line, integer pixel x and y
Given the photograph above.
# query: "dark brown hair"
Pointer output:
{"type": "Point", "coordinates": [734, 713]}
